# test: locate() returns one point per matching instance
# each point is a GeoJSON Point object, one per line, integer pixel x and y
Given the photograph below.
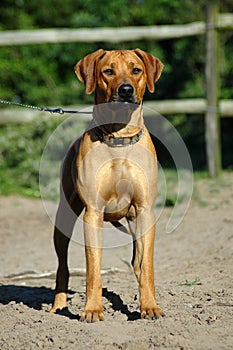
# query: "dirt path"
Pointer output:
{"type": "Point", "coordinates": [193, 274]}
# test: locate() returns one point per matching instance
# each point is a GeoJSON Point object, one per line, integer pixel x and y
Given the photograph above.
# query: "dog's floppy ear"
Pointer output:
{"type": "Point", "coordinates": [153, 66]}
{"type": "Point", "coordinates": [85, 70]}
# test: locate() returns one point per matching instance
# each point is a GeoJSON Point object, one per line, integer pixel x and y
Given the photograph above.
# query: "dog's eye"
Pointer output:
{"type": "Point", "coordinates": [109, 71]}
{"type": "Point", "coordinates": [137, 70]}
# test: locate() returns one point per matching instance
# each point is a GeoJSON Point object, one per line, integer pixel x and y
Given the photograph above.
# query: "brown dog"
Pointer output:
{"type": "Point", "coordinates": [111, 172]}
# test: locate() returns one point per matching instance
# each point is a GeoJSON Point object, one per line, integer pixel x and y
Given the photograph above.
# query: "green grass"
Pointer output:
{"type": "Point", "coordinates": [191, 283]}
{"type": "Point", "coordinates": [17, 181]}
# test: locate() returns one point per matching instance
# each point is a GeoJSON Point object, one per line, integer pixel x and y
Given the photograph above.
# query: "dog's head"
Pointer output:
{"type": "Point", "coordinates": [120, 75]}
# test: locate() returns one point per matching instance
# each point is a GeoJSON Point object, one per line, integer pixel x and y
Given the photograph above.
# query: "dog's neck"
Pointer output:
{"type": "Point", "coordinates": [119, 120]}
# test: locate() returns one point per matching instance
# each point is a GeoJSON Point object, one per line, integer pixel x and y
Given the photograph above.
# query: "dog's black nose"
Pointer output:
{"type": "Point", "coordinates": [125, 91]}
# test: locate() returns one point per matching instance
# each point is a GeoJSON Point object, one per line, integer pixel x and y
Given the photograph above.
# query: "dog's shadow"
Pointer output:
{"type": "Point", "coordinates": [118, 305]}
{"type": "Point", "coordinates": [35, 297]}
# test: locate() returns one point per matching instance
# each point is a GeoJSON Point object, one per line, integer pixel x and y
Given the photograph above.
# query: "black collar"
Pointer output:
{"type": "Point", "coordinates": [120, 141]}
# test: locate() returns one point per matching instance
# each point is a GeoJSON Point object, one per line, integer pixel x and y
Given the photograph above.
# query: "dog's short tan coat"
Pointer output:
{"type": "Point", "coordinates": [111, 181]}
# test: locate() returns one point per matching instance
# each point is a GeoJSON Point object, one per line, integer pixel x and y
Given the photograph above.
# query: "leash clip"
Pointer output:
{"type": "Point", "coordinates": [58, 110]}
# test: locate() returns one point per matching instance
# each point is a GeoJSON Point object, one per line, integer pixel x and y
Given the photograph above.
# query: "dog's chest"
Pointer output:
{"type": "Point", "coordinates": [114, 178]}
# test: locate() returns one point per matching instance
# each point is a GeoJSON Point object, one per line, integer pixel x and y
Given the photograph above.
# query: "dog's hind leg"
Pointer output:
{"type": "Point", "coordinates": [70, 207]}
{"type": "Point", "coordinates": [61, 243]}
{"type": "Point", "coordinates": [65, 220]}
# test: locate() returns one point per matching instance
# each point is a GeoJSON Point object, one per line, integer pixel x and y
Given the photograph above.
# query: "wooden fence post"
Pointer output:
{"type": "Point", "coordinates": [212, 121]}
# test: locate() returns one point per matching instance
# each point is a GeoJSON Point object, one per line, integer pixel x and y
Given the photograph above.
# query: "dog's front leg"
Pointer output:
{"type": "Point", "coordinates": [93, 224]}
{"type": "Point", "coordinates": [143, 264]}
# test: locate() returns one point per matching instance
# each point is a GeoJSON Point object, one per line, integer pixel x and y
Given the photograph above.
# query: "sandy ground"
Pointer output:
{"type": "Point", "coordinates": [193, 277]}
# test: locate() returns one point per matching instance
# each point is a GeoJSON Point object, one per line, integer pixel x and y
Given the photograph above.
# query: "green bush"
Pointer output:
{"type": "Point", "coordinates": [21, 148]}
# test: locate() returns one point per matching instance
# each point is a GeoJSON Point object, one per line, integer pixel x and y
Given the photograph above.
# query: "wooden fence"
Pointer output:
{"type": "Point", "coordinates": [211, 107]}
{"type": "Point", "coordinates": [162, 32]}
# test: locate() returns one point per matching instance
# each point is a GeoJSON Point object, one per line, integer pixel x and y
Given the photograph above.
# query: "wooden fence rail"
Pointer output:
{"type": "Point", "coordinates": [65, 35]}
{"type": "Point", "coordinates": [211, 107]}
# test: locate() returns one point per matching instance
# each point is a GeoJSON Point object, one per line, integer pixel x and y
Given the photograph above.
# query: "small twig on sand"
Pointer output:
{"type": "Point", "coordinates": [127, 263]}
{"type": "Point", "coordinates": [25, 275]}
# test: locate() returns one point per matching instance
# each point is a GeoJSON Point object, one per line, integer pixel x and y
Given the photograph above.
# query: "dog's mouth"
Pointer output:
{"type": "Point", "coordinates": [116, 105]}
{"type": "Point", "coordinates": [127, 101]}
{"type": "Point", "coordinates": [131, 99]}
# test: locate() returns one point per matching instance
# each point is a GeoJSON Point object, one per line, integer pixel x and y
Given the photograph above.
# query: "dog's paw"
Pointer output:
{"type": "Point", "coordinates": [151, 313]}
{"type": "Point", "coordinates": [92, 316]}
{"type": "Point", "coordinates": [59, 302]}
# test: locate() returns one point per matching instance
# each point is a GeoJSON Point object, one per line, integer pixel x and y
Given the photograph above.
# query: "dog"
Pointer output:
{"type": "Point", "coordinates": [110, 172]}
